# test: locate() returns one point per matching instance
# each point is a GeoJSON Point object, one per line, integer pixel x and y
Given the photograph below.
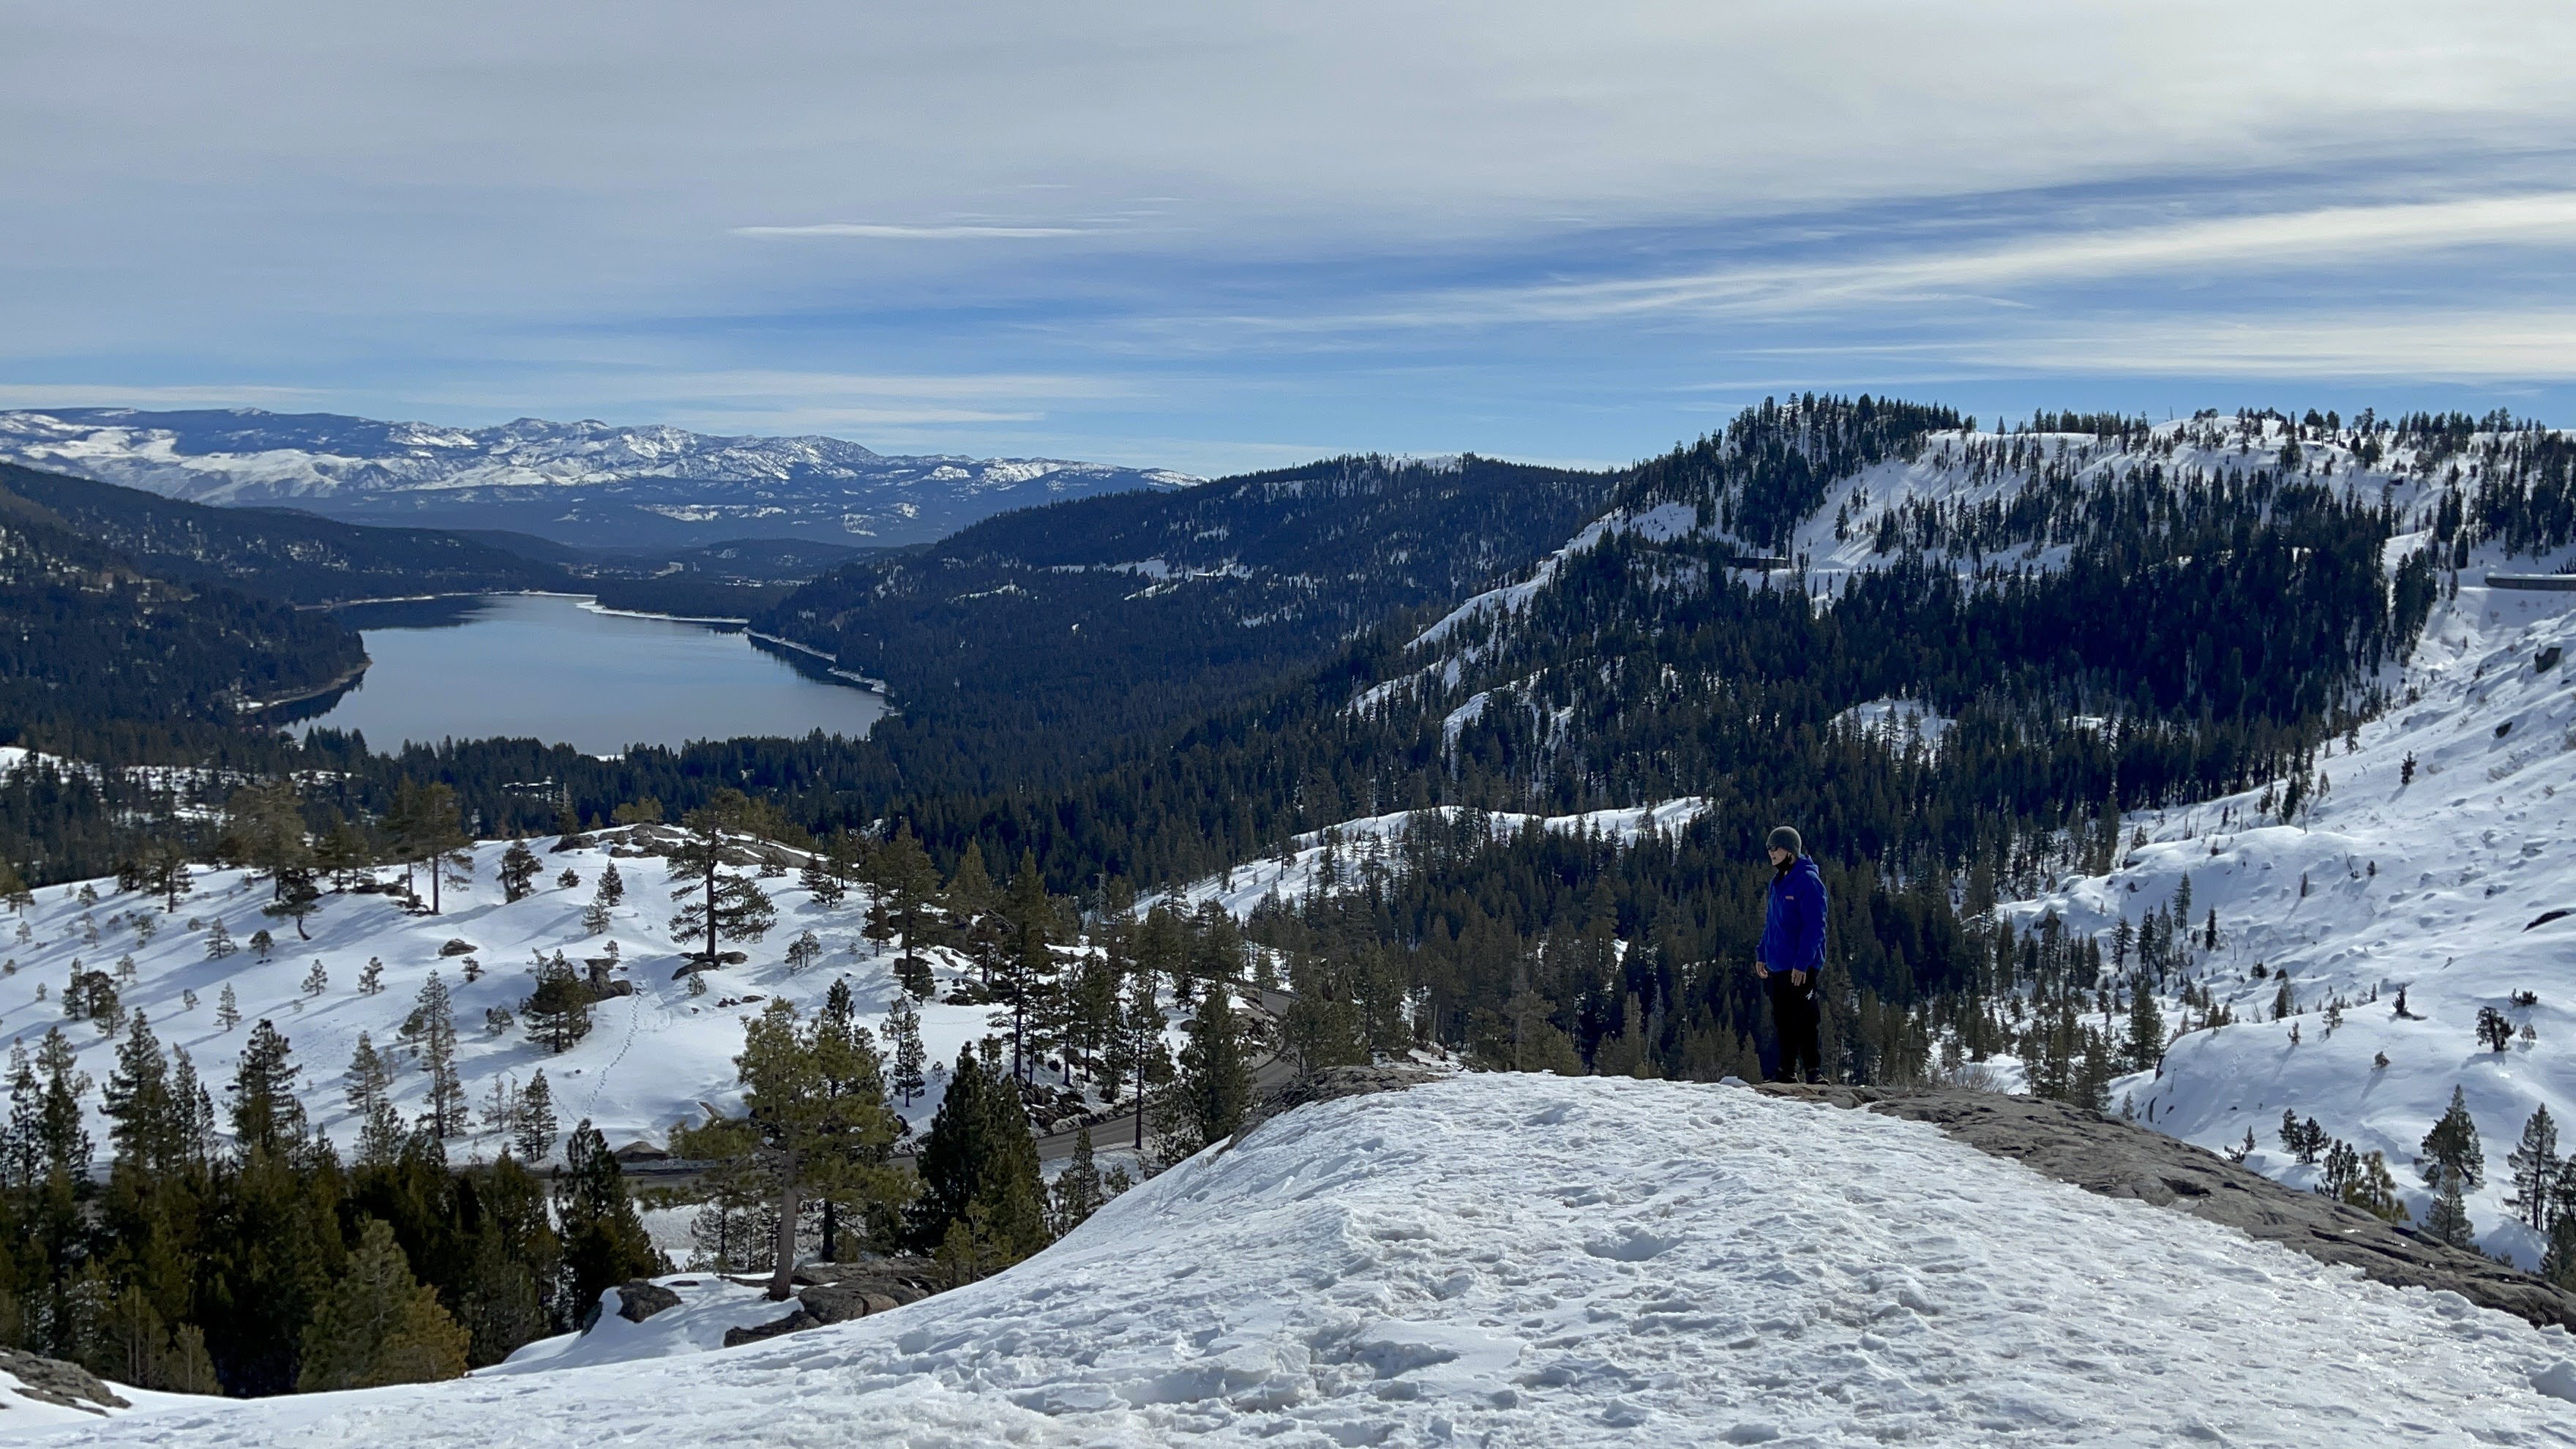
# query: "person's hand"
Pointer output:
{"type": "Point", "coordinates": [1797, 978]}
{"type": "Point", "coordinates": [1761, 972]}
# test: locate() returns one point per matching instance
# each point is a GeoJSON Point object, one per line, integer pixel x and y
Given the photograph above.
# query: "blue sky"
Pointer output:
{"type": "Point", "coordinates": [1215, 237]}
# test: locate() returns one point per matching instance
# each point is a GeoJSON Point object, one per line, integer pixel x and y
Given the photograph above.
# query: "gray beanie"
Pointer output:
{"type": "Point", "coordinates": [1785, 838]}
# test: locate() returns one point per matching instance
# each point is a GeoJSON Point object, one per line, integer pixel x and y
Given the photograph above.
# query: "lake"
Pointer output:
{"type": "Point", "coordinates": [565, 672]}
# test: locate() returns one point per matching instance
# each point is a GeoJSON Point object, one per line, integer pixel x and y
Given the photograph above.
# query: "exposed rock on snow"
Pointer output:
{"type": "Point", "coordinates": [642, 1298]}
{"type": "Point", "coordinates": [2117, 1159]}
{"type": "Point", "coordinates": [1535, 1260]}
{"type": "Point", "coordinates": [63, 1385]}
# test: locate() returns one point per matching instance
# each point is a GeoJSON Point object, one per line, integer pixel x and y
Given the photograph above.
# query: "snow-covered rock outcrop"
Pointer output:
{"type": "Point", "coordinates": [1536, 1260]}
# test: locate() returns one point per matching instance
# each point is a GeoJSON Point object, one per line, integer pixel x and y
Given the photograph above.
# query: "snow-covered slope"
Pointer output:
{"type": "Point", "coordinates": [2437, 887]}
{"type": "Point", "coordinates": [650, 1059]}
{"type": "Point", "coordinates": [584, 482]}
{"type": "Point", "coordinates": [1972, 501]}
{"type": "Point", "coordinates": [1343, 855]}
{"type": "Point", "coordinates": [1541, 1261]}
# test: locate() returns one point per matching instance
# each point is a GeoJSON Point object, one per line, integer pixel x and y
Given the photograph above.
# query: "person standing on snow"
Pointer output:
{"type": "Point", "coordinates": [1791, 958]}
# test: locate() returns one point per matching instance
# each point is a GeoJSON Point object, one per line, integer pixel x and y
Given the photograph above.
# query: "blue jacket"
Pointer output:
{"type": "Point", "coordinates": [1793, 928]}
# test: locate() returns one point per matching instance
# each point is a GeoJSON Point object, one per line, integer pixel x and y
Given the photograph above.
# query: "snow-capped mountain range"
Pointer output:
{"type": "Point", "coordinates": [589, 484]}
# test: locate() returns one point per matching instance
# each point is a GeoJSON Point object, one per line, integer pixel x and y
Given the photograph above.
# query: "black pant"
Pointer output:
{"type": "Point", "coordinates": [1793, 1016]}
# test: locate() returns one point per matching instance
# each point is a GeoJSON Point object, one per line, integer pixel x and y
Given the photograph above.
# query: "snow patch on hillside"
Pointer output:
{"type": "Point", "coordinates": [2438, 887]}
{"type": "Point", "coordinates": [652, 1058]}
{"type": "Point", "coordinates": [1506, 1259]}
{"type": "Point", "coordinates": [1897, 721]}
{"type": "Point", "coordinates": [1340, 856]}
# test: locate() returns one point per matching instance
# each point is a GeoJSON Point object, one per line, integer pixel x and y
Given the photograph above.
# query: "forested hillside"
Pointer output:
{"type": "Point", "coordinates": [1047, 640]}
{"type": "Point", "coordinates": [92, 635]}
{"type": "Point", "coordinates": [276, 553]}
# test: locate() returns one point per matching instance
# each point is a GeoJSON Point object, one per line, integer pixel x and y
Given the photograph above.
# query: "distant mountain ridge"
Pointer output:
{"type": "Point", "coordinates": [590, 484]}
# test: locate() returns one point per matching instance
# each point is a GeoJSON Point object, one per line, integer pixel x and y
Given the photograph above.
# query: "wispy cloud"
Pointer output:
{"type": "Point", "coordinates": [892, 231]}
{"type": "Point", "coordinates": [1992, 272]}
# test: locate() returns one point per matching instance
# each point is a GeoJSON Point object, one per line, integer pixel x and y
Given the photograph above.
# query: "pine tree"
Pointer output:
{"type": "Point", "coordinates": [298, 897]}
{"type": "Point", "coordinates": [193, 1111]}
{"type": "Point", "coordinates": [267, 1116]}
{"type": "Point", "coordinates": [803, 952]}
{"type": "Point", "coordinates": [979, 1174]}
{"type": "Point", "coordinates": [604, 1242]}
{"type": "Point", "coordinates": [1214, 1089]}
{"type": "Point", "coordinates": [558, 1011]}
{"type": "Point", "coordinates": [2558, 1260]}
{"type": "Point", "coordinates": [612, 887]}
{"type": "Point", "coordinates": [264, 829]}
{"type": "Point", "coordinates": [820, 880]}
{"type": "Point", "coordinates": [369, 1087]}
{"type": "Point", "coordinates": [1028, 965]}
{"type": "Point", "coordinates": [814, 1125]}
{"type": "Point", "coordinates": [906, 887]}
{"type": "Point", "coordinates": [371, 977]}
{"type": "Point", "coordinates": [2451, 1150]}
{"type": "Point", "coordinates": [534, 1136]}
{"type": "Point", "coordinates": [2495, 1029]}
{"type": "Point", "coordinates": [317, 980]}
{"type": "Point", "coordinates": [719, 904]}
{"type": "Point", "coordinates": [1076, 1193]}
{"type": "Point", "coordinates": [165, 873]}
{"type": "Point", "coordinates": [432, 1027]}
{"type": "Point", "coordinates": [344, 852]}
{"type": "Point", "coordinates": [2533, 1168]}
{"type": "Point", "coordinates": [425, 831]}
{"type": "Point", "coordinates": [219, 941]}
{"type": "Point", "coordinates": [379, 1325]}
{"type": "Point", "coordinates": [518, 872]}
{"type": "Point", "coordinates": [145, 1123]}
{"type": "Point", "coordinates": [61, 1129]}
{"type": "Point", "coordinates": [903, 1031]}
{"type": "Point", "coordinates": [227, 1008]}
{"type": "Point", "coordinates": [2448, 1222]}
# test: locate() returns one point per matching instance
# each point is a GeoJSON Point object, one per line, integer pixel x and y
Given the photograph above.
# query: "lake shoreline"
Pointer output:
{"type": "Point", "coordinates": [562, 668]}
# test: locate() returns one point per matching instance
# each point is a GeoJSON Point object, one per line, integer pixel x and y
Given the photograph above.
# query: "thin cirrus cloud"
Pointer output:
{"type": "Point", "coordinates": [2320, 238]}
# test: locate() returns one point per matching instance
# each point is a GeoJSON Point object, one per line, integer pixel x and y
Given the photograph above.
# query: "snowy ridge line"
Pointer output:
{"type": "Point", "coordinates": [1956, 473]}
{"type": "Point", "coordinates": [176, 454]}
{"type": "Point", "coordinates": [1510, 1259]}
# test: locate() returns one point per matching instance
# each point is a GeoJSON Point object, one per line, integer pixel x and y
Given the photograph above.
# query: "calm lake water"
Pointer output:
{"type": "Point", "coordinates": [522, 665]}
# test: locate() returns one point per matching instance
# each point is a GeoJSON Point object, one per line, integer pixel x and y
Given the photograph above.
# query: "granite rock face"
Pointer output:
{"type": "Point", "coordinates": [64, 1385]}
{"type": "Point", "coordinates": [2104, 1155]}
{"type": "Point", "coordinates": [641, 1298]}
{"type": "Point", "coordinates": [1331, 1084]}
{"type": "Point", "coordinates": [839, 1292]}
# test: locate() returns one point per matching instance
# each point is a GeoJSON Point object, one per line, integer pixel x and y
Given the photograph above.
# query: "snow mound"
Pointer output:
{"type": "Point", "coordinates": [1537, 1260]}
{"type": "Point", "coordinates": [709, 1305]}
